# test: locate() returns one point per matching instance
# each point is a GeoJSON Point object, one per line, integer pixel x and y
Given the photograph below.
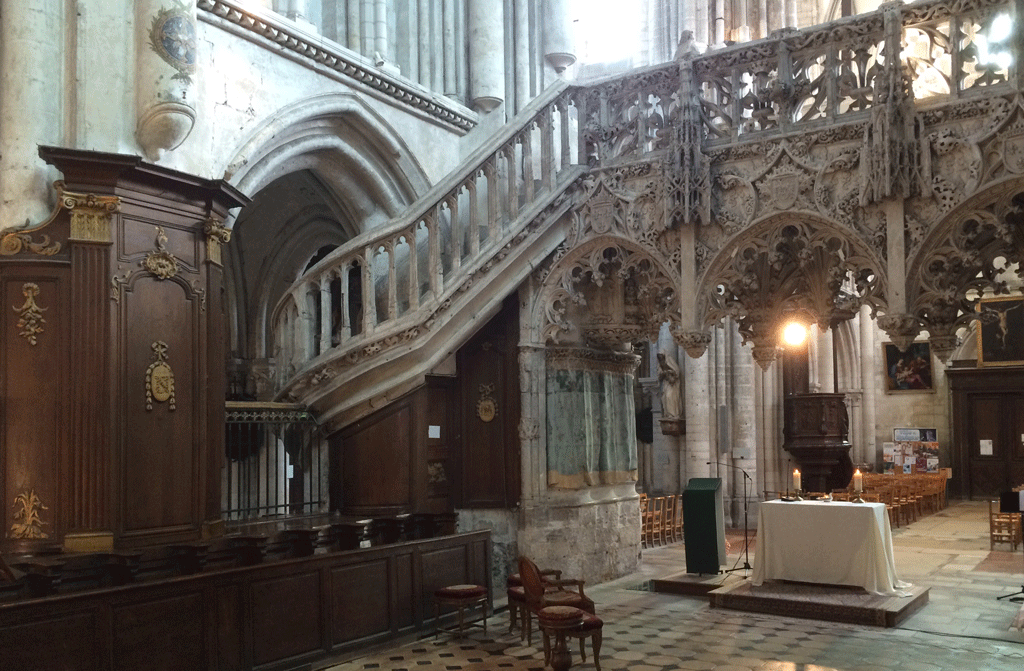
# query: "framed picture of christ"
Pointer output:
{"type": "Point", "coordinates": [1001, 331]}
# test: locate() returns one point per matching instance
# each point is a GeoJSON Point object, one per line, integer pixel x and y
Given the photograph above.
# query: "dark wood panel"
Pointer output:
{"type": "Point", "coordinates": [489, 411]}
{"type": "Point", "coordinates": [160, 465]}
{"type": "Point", "coordinates": [285, 617]}
{"type": "Point", "coordinates": [34, 407]}
{"type": "Point", "coordinates": [161, 635]}
{"type": "Point", "coordinates": [361, 601]}
{"type": "Point", "coordinates": [65, 643]}
{"type": "Point", "coordinates": [274, 615]}
{"type": "Point", "coordinates": [405, 591]}
{"type": "Point", "coordinates": [376, 455]}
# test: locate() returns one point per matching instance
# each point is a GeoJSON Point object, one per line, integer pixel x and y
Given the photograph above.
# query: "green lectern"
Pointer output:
{"type": "Point", "coordinates": [704, 525]}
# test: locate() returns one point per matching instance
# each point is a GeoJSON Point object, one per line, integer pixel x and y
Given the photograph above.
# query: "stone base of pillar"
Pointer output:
{"type": "Point", "coordinates": [594, 536]}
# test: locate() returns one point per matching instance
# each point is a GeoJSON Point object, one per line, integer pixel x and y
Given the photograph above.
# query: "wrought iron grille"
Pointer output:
{"type": "Point", "coordinates": [275, 461]}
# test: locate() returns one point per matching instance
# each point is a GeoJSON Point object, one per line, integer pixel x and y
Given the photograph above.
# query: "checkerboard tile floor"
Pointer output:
{"type": "Point", "coordinates": [963, 627]}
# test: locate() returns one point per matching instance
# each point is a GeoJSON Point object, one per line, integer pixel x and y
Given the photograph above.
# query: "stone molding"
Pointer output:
{"type": "Point", "coordinates": [594, 360]}
{"type": "Point", "coordinates": [321, 54]}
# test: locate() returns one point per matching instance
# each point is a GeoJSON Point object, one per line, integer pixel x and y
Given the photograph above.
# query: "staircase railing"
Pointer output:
{"type": "Point", "coordinates": [383, 286]}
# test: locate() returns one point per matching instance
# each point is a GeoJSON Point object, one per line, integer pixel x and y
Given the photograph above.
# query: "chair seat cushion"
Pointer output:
{"type": "Point", "coordinates": [591, 622]}
{"type": "Point", "coordinates": [557, 614]}
{"type": "Point", "coordinates": [461, 592]}
{"type": "Point", "coordinates": [568, 599]}
{"type": "Point", "coordinates": [513, 580]}
{"type": "Point", "coordinates": [516, 593]}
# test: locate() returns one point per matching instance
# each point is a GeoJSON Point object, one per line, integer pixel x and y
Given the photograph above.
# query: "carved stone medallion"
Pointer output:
{"type": "Point", "coordinates": [1013, 153]}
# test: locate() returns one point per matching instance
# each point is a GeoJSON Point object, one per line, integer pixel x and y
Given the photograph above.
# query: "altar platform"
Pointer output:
{"type": "Point", "coordinates": [829, 603]}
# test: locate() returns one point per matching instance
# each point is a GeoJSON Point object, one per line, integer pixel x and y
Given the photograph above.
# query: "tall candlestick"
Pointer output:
{"type": "Point", "coordinates": [796, 479]}
{"type": "Point", "coordinates": [858, 481]}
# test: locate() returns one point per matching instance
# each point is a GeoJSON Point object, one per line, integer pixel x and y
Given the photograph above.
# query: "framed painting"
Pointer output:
{"type": "Point", "coordinates": [1001, 331]}
{"type": "Point", "coordinates": [910, 371]}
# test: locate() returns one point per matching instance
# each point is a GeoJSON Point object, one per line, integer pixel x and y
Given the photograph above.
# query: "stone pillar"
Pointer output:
{"type": "Point", "coordinates": [559, 50]}
{"type": "Point", "coordinates": [865, 450]}
{"type": "Point", "coordinates": [698, 416]}
{"type": "Point", "coordinates": [522, 58]}
{"type": "Point", "coordinates": [31, 40]}
{"type": "Point", "coordinates": [744, 435]}
{"type": "Point", "coordinates": [486, 53]}
{"type": "Point", "coordinates": [165, 68]}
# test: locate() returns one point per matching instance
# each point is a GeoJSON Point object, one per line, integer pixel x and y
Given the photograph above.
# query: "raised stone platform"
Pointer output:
{"type": "Point", "coordinates": [832, 603]}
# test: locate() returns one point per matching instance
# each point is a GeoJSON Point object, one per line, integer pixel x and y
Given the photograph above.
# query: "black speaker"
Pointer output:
{"type": "Point", "coordinates": [704, 526]}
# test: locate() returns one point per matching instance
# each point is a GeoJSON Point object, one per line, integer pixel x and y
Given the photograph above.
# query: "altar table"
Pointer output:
{"type": "Point", "coordinates": [835, 543]}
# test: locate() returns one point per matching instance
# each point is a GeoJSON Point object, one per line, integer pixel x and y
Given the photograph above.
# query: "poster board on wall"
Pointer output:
{"type": "Point", "coordinates": [913, 450]}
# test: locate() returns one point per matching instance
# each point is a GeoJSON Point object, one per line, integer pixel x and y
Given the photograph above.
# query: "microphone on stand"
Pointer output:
{"type": "Point", "coordinates": [746, 541]}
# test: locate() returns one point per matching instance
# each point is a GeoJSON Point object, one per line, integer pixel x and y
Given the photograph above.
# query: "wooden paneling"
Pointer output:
{"type": "Point", "coordinates": [271, 616]}
{"type": "Point", "coordinates": [376, 455]}
{"type": "Point", "coordinates": [361, 601]}
{"type": "Point", "coordinates": [161, 634]}
{"type": "Point", "coordinates": [489, 378]}
{"type": "Point", "coordinates": [33, 373]}
{"type": "Point", "coordinates": [63, 643]}
{"type": "Point", "coordinates": [286, 617]}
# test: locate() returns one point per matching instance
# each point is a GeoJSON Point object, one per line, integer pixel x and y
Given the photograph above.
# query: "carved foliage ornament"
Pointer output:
{"type": "Point", "coordinates": [160, 262]}
{"type": "Point", "coordinates": [30, 319]}
{"type": "Point", "coordinates": [160, 378]}
{"type": "Point", "coordinates": [28, 523]}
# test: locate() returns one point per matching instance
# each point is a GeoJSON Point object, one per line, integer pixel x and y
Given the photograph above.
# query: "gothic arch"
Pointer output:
{"type": "Point", "coordinates": [320, 171]}
{"type": "Point", "coordinates": [789, 265]}
{"type": "Point", "coordinates": [606, 291]}
{"type": "Point", "coordinates": [961, 258]}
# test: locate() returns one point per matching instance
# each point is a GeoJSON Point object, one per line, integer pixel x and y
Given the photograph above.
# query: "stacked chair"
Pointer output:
{"type": "Point", "coordinates": [661, 519]}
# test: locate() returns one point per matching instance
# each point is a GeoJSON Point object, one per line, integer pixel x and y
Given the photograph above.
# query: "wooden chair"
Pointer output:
{"type": "Point", "coordinates": [540, 593]}
{"type": "Point", "coordinates": [658, 520]}
{"type": "Point", "coordinates": [517, 598]}
{"type": "Point", "coordinates": [669, 519]}
{"type": "Point", "coordinates": [591, 627]}
{"type": "Point", "coordinates": [1003, 527]}
{"type": "Point", "coordinates": [646, 531]}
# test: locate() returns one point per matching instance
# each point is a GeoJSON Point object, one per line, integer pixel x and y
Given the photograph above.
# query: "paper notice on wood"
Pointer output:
{"type": "Point", "coordinates": [985, 448]}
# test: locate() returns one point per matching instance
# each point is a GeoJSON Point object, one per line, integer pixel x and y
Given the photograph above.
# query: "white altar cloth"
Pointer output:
{"type": "Point", "coordinates": [835, 543]}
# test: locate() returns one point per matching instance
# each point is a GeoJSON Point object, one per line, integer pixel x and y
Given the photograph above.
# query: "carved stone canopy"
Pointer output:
{"type": "Point", "coordinates": [794, 268]}
{"type": "Point", "coordinates": [606, 295]}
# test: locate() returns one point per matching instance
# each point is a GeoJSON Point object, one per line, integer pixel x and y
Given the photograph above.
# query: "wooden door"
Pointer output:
{"type": "Point", "coordinates": [988, 430]}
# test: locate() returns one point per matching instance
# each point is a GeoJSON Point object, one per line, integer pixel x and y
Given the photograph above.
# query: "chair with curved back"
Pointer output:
{"type": "Point", "coordinates": [540, 593]}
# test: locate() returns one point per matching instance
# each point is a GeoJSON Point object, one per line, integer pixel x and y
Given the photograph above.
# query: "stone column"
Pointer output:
{"type": "Point", "coordinates": [31, 107]}
{"type": "Point", "coordinates": [559, 50]}
{"type": "Point", "coordinates": [865, 450]}
{"type": "Point", "coordinates": [698, 416]}
{"type": "Point", "coordinates": [486, 53]}
{"type": "Point", "coordinates": [165, 71]}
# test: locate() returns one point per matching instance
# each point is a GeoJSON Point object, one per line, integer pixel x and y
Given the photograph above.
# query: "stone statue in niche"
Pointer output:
{"type": "Point", "coordinates": [671, 394]}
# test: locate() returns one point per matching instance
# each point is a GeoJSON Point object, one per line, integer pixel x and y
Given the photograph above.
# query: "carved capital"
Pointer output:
{"type": "Point", "coordinates": [901, 328]}
{"type": "Point", "coordinates": [694, 343]}
{"type": "Point", "coordinates": [217, 235]}
{"type": "Point", "coordinates": [91, 215]}
{"type": "Point", "coordinates": [765, 354]}
{"type": "Point", "coordinates": [161, 262]}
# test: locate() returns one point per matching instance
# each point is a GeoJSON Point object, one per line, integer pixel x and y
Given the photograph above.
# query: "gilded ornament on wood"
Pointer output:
{"type": "Point", "coordinates": [16, 243]}
{"type": "Point", "coordinates": [90, 214]}
{"type": "Point", "coordinates": [31, 319]}
{"type": "Point", "coordinates": [160, 262]}
{"type": "Point", "coordinates": [159, 378]}
{"type": "Point", "coordinates": [486, 408]}
{"type": "Point", "coordinates": [28, 523]}
{"type": "Point", "coordinates": [217, 235]}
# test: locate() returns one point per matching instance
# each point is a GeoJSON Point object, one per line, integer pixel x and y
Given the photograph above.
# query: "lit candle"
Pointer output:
{"type": "Point", "coordinates": [858, 481]}
{"type": "Point", "coordinates": [796, 479]}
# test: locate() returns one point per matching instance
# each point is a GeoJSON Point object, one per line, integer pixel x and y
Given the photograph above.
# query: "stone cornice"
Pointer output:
{"type": "Point", "coordinates": [582, 358]}
{"type": "Point", "coordinates": [321, 53]}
